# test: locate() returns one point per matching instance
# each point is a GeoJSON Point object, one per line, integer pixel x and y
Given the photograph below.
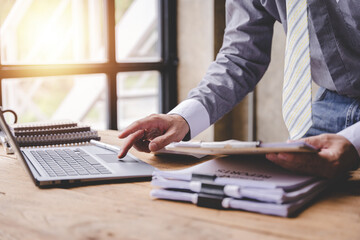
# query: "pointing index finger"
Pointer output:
{"type": "Point", "coordinates": [129, 142]}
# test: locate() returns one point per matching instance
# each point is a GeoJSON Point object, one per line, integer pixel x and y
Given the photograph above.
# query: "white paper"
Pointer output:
{"type": "Point", "coordinates": [243, 171]}
{"type": "Point", "coordinates": [216, 144]}
{"type": "Point", "coordinates": [229, 144]}
{"type": "Point", "coordinates": [166, 151]}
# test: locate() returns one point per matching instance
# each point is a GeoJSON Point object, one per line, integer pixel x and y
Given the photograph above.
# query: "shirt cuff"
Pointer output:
{"type": "Point", "coordinates": [352, 134]}
{"type": "Point", "coordinates": [195, 115]}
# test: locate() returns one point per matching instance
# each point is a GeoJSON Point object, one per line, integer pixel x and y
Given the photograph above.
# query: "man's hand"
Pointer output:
{"type": "Point", "coordinates": [153, 133]}
{"type": "Point", "coordinates": [336, 156]}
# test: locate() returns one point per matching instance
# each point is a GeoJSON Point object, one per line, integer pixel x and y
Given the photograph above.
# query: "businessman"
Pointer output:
{"type": "Point", "coordinates": [322, 45]}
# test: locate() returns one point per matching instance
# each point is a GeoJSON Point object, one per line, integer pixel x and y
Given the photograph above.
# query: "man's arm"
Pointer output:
{"type": "Point", "coordinates": [239, 65]}
{"type": "Point", "coordinates": [241, 62]}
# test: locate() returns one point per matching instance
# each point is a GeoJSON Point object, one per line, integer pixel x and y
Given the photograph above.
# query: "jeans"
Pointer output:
{"type": "Point", "coordinates": [331, 112]}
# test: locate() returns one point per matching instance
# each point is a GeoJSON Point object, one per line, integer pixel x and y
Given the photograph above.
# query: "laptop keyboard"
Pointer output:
{"type": "Point", "coordinates": [68, 162]}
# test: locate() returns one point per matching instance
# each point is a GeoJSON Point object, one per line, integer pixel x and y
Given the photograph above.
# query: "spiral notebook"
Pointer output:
{"type": "Point", "coordinates": [52, 133]}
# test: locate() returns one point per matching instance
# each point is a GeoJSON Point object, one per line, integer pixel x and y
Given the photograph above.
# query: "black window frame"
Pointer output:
{"type": "Point", "coordinates": [167, 66]}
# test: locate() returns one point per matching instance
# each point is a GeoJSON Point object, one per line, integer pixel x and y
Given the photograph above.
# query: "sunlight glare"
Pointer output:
{"type": "Point", "coordinates": [53, 32]}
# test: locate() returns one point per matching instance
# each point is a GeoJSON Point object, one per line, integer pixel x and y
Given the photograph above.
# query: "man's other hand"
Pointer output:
{"type": "Point", "coordinates": [153, 133]}
{"type": "Point", "coordinates": [336, 156]}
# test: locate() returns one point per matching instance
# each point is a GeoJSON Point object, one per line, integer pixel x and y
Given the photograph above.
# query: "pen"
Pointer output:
{"type": "Point", "coordinates": [105, 146]}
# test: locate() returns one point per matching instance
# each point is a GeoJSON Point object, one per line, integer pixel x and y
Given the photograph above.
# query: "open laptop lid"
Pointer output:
{"type": "Point", "coordinates": [13, 144]}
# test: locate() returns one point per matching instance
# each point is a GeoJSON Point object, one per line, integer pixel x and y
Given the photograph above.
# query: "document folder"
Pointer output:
{"type": "Point", "coordinates": [234, 147]}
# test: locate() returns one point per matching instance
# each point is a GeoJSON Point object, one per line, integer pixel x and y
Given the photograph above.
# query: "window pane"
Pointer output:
{"type": "Point", "coordinates": [57, 31]}
{"type": "Point", "coordinates": [138, 96]}
{"type": "Point", "coordinates": [137, 31]}
{"type": "Point", "coordinates": [79, 98]}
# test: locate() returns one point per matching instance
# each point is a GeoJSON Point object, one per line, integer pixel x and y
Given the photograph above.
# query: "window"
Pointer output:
{"type": "Point", "coordinates": [103, 62]}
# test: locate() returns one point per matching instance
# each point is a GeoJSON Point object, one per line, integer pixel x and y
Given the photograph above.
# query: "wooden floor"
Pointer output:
{"type": "Point", "coordinates": [125, 211]}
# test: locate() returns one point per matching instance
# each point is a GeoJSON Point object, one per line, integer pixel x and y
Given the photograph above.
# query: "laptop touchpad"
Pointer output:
{"type": "Point", "coordinates": [113, 158]}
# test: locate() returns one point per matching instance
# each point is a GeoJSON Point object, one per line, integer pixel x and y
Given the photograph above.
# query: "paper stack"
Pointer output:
{"type": "Point", "coordinates": [239, 182]}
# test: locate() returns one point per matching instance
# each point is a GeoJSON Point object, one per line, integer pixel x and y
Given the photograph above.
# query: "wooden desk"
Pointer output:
{"type": "Point", "coordinates": [125, 211]}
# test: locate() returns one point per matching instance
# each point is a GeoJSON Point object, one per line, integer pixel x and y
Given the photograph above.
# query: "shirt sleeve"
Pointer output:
{"type": "Point", "coordinates": [241, 61]}
{"type": "Point", "coordinates": [352, 134]}
{"type": "Point", "coordinates": [194, 114]}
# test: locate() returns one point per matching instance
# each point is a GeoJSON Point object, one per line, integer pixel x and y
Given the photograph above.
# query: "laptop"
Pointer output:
{"type": "Point", "coordinates": [73, 165]}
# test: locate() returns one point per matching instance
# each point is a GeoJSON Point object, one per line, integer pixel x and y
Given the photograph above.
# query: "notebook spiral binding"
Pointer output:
{"type": "Point", "coordinates": [52, 134]}
{"type": "Point", "coordinates": [54, 139]}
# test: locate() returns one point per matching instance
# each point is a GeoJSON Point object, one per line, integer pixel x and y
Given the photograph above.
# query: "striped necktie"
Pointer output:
{"type": "Point", "coordinates": [297, 76]}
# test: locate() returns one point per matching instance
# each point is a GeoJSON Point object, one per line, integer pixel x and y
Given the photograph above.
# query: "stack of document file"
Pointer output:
{"type": "Point", "coordinates": [246, 183]}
